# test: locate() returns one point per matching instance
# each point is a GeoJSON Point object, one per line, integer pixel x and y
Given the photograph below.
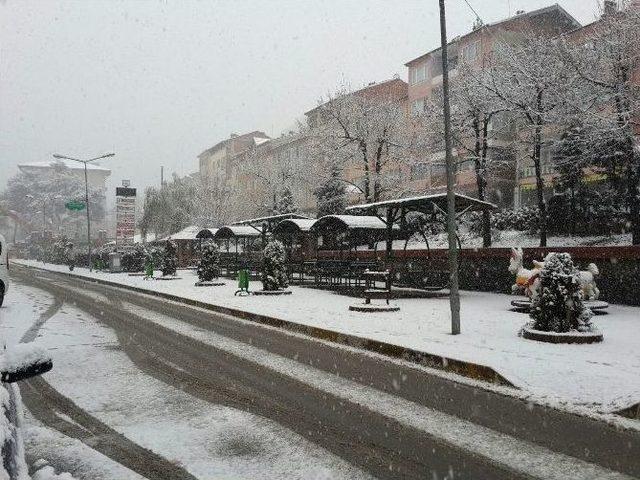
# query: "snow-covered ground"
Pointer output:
{"type": "Point", "coordinates": [86, 463]}
{"type": "Point", "coordinates": [602, 377]}
{"type": "Point", "coordinates": [210, 441]}
{"type": "Point", "coordinates": [509, 238]}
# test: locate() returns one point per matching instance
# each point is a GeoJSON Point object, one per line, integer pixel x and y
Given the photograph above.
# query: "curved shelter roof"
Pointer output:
{"type": "Point", "coordinates": [237, 231]}
{"type": "Point", "coordinates": [354, 230]}
{"type": "Point", "coordinates": [349, 222]}
{"type": "Point", "coordinates": [188, 233]}
{"type": "Point", "coordinates": [294, 226]}
{"type": "Point", "coordinates": [437, 200]}
{"type": "Point", "coordinates": [207, 233]}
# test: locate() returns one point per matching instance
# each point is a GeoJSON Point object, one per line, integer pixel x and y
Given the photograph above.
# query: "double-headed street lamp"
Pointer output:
{"type": "Point", "coordinates": [86, 193]}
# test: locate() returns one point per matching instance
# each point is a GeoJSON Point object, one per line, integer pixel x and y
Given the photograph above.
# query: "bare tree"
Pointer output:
{"type": "Point", "coordinates": [212, 203]}
{"type": "Point", "coordinates": [528, 75]}
{"type": "Point", "coordinates": [474, 111]}
{"type": "Point", "coordinates": [272, 171]}
{"type": "Point", "coordinates": [607, 65]}
{"type": "Point", "coordinates": [365, 129]}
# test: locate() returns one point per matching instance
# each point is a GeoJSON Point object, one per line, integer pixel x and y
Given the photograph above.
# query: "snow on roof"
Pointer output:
{"type": "Point", "coordinates": [207, 233]}
{"type": "Point", "coordinates": [282, 216]}
{"type": "Point", "coordinates": [260, 140]}
{"type": "Point", "coordinates": [237, 231]}
{"type": "Point", "coordinates": [187, 233]}
{"type": "Point", "coordinates": [137, 238]}
{"type": "Point", "coordinates": [302, 224]}
{"type": "Point", "coordinates": [352, 221]}
{"type": "Point", "coordinates": [504, 21]}
{"type": "Point", "coordinates": [436, 198]}
{"type": "Point", "coordinates": [67, 163]}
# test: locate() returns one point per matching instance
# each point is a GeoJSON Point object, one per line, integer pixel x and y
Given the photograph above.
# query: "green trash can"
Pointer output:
{"type": "Point", "coordinates": [243, 282]}
{"type": "Point", "coordinates": [148, 270]}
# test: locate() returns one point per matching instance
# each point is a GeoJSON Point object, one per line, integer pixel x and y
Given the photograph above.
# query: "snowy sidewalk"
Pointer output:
{"type": "Point", "coordinates": [602, 377]}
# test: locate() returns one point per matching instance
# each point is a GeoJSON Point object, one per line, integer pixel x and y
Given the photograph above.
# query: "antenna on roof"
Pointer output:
{"type": "Point", "coordinates": [477, 23]}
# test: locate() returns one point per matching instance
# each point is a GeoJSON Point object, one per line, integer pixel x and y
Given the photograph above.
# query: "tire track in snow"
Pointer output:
{"type": "Point", "coordinates": [58, 412]}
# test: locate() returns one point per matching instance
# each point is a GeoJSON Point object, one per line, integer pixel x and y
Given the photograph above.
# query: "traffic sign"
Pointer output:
{"type": "Point", "coordinates": [75, 205]}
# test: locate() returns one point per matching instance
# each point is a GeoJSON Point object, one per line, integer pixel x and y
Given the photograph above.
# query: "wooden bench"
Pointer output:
{"type": "Point", "coordinates": [371, 290]}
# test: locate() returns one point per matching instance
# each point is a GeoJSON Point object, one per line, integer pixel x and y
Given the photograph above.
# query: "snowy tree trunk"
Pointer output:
{"type": "Point", "coordinates": [537, 145]}
{"type": "Point", "coordinates": [480, 163]}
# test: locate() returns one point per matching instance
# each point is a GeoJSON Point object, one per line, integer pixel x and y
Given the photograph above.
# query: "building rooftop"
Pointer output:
{"type": "Point", "coordinates": [66, 163]}
{"type": "Point", "coordinates": [256, 136]}
{"type": "Point", "coordinates": [503, 22]}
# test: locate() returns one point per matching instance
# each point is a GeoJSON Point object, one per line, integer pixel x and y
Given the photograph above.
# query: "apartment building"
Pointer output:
{"type": "Point", "coordinates": [266, 168]}
{"type": "Point", "coordinates": [525, 190]}
{"type": "Point", "coordinates": [427, 173]}
{"type": "Point", "coordinates": [219, 161]}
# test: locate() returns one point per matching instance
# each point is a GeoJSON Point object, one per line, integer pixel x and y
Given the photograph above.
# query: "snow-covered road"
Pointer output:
{"type": "Point", "coordinates": [601, 377]}
{"type": "Point", "coordinates": [196, 388]}
{"type": "Point", "coordinates": [209, 441]}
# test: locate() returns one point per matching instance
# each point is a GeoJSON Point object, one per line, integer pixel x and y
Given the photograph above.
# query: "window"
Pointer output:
{"type": "Point", "coordinates": [417, 106]}
{"type": "Point", "coordinates": [436, 62]}
{"type": "Point", "coordinates": [419, 171]}
{"type": "Point", "coordinates": [418, 73]}
{"type": "Point", "coordinates": [546, 165]}
{"type": "Point", "coordinates": [470, 52]}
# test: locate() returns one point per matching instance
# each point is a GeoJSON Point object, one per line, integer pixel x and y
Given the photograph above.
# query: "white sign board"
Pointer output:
{"type": "Point", "coordinates": [125, 217]}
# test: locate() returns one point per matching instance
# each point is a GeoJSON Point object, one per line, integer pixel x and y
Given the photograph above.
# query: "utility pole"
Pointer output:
{"type": "Point", "coordinates": [454, 294]}
{"type": "Point", "coordinates": [86, 195]}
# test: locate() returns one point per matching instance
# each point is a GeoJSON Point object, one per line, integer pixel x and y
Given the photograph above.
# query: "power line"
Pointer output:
{"type": "Point", "coordinates": [473, 10]}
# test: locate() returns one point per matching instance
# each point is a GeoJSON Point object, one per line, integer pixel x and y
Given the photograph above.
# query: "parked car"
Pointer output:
{"type": "Point", "coordinates": [17, 363]}
{"type": "Point", "coordinates": [4, 269]}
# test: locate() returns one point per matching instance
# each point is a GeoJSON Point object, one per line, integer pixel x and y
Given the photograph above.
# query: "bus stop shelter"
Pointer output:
{"type": "Point", "coordinates": [393, 212]}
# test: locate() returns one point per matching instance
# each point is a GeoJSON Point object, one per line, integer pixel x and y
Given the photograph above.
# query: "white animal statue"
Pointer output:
{"type": "Point", "coordinates": [588, 282]}
{"type": "Point", "coordinates": [527, 280]}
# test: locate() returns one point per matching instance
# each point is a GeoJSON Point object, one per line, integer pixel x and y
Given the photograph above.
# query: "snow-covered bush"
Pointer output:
{"type": "Point", "coordinates": [209, 266]}
{"type": "Point", "coordinates": [523, 219]}
{"type": "Point", "coordinates": [169, 259]}
{"type": "Point", "coordinates": [274, 274]}
{"type": "Point", "coordinates": [592, 210]}
{"type": "Point", "coordinates": [557, 303]}
{"type": "Point", "coordinates": [58, 253]}
{"type": "Point", "coordinates": [133, 260]}
{"type": "Point", "coordinates": [99, 256]}
{"type": "Point", "coordinates": [155, 255]}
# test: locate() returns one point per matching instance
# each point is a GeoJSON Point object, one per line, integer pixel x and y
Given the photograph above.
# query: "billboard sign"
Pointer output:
{"type": "Point", "coordinates": [125, 217]}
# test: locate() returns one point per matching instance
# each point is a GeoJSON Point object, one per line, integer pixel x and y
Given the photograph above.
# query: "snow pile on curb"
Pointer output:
{"type": "Point", "coordinates": [44, 471]}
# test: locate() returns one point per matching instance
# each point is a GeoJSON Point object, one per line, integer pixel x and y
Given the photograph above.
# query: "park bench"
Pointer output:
{"type": "Point", "coordinates": [372, 290]}
{"type": "Point", "coordinates": [356, 270]}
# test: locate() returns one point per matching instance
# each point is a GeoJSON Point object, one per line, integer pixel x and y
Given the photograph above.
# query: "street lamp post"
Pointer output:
{"type": "Point", "coordinates": [86, 193]}
{"type": "Point", "coordinates": [454, 295]}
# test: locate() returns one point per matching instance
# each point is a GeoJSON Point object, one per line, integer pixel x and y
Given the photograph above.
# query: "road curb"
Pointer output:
{"type": "Point", "coordinates": [460, 367]}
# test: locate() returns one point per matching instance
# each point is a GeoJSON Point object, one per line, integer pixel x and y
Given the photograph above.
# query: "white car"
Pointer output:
{"type": "Point", "coordinates": [4, 268]}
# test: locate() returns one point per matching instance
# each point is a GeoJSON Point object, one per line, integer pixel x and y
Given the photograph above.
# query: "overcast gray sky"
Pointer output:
{"type": "Point", "coordinates": [157, 82]}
